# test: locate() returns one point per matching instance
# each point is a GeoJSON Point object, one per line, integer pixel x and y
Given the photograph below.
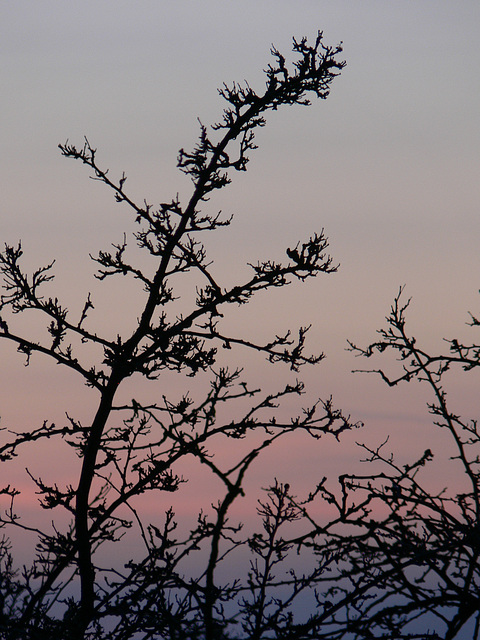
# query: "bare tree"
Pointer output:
{"type": "Point", "coordinates": [404, 559]}
{"type": "Point", "coordinates": [129, 449]}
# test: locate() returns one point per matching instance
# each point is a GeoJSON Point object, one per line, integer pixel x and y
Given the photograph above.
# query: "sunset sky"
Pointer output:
{"type": "Point", "coordinates": [388, 165]}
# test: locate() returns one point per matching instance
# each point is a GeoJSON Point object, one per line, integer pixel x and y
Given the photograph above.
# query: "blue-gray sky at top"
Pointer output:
{"type": "Point", "coordinates": [388, 164]}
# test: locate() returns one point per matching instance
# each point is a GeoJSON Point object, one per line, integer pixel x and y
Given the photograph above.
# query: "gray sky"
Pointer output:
{"type": "Point", "coordinates": [388, 164]}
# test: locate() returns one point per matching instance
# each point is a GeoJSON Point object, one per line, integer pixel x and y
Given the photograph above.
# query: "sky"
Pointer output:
{"type": "Point", "coordinates": [387, 165]}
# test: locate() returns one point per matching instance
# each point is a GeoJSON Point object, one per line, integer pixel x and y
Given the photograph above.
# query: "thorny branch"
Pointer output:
{"type": "Point", "coordinates": [129, 450]}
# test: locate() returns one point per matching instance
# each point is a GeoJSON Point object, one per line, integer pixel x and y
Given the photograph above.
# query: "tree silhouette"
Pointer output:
{"type": "Point", "coordinates": [131, 449]}
{"type": "Point", "coordinates": [405, 557]}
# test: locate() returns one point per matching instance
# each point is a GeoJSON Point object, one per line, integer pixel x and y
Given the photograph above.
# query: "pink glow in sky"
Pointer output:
{"type": "Point", "coordinates": [388, 165]}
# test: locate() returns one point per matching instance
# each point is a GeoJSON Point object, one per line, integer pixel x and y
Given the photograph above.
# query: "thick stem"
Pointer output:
{"type": "Point", "coordinates": [84, 546]}
{"type": "Point", "coordinates": [211, 594]}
